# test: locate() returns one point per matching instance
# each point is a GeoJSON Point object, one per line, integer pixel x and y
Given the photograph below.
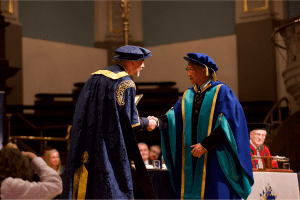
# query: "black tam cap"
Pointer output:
{"type": "Point", "coordinates": [259, 126]}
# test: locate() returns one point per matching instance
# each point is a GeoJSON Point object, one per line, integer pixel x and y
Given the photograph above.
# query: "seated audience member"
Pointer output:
{"type": "Point", "coordinates": [144, 152]}
{"type": "Point", "coordinates": [52, 159]}
{"type": "Point", "coordinates": [258, 133]}
{"type": "Point", "coordinates": [16, 176]}
{"type": "Point", "coordinates": [154, 153]}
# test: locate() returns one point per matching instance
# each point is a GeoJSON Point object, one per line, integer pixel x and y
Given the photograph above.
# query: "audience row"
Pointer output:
{"type": "Point", "coordinates": [148, 155]}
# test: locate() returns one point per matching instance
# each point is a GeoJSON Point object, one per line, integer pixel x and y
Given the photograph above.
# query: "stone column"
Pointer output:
{"type": "Point", "coordinates": [109, 26]}
{"type": "Point", "coordinates": [5, 71]}
{"type": "Point", "coordinates": [291, 35]}
{"type": "Point", "coordinates": [255, 22]}
{"type": "Point", "coordinates": [11, 74]}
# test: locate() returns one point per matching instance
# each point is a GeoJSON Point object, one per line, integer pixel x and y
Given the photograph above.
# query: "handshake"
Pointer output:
{"type": "Point", "coordinates": [153, 123]}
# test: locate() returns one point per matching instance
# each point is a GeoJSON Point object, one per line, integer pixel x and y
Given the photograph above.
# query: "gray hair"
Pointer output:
{"type": "Point", "coordinates": [199, 66]}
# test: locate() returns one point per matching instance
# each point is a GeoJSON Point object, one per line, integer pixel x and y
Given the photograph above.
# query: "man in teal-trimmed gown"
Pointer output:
{"type": "Point", "coordinates": [205, 141]}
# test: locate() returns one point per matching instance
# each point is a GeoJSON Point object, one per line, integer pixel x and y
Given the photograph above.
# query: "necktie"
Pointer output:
{"type": "Point", "coordinates": [260, 164]}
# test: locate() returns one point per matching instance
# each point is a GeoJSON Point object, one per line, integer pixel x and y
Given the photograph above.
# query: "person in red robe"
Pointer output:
{"type": "Point", "coordinates": [258, 133]}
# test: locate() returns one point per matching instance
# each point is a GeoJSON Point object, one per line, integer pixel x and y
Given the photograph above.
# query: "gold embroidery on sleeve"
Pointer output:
{"type": "Point", "coordinates": [121, 89]}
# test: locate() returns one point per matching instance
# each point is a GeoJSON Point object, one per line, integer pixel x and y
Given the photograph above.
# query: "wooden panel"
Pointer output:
{"type": "Point", "coordinates": [256, 61]}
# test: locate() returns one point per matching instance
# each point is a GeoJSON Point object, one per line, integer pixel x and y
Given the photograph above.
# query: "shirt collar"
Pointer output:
{"type": "Point", "coordinates": [204, 84]}
{"type": "Point", "coordinates": [253, 145]}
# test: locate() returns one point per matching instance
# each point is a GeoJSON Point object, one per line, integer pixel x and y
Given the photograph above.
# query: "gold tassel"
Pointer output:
{"type": "Point", "coordinates": [79, 183]}
{"type": "Point", "coordinates": [80, 179]}
{"type": "Point", "coordinates": [207, 72]}
{"type": "Point", "coordinates": [215, 77]}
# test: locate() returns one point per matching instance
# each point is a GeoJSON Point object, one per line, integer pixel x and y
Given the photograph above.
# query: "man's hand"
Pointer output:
{"type": "Point", "coordinates": [152, 123]}
{"type": "Point", "coordinates": [152, 117]}
{"type": "Point", "coordinates": [198, 150]}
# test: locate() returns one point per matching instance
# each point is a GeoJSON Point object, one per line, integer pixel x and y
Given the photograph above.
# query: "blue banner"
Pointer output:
{"type": "Point", "coordinates": [1, 117]}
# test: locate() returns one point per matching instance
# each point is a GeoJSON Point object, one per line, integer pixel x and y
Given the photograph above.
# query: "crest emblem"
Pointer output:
{"type": "Point", "coordinates": [267, 193]}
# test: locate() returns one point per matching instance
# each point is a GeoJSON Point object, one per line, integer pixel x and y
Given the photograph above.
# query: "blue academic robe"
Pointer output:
{"type": "Point", "coordinates": [98, 161]}
{"type": "Point", "coordinates": [226, 171]}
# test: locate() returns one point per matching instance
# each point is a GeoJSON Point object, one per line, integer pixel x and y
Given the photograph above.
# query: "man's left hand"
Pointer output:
{"type": "Point", "coordinates": [198, 150]}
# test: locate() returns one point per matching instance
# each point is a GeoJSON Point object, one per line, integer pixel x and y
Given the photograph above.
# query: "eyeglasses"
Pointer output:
{"type": "Point", "coordinates": [190, 69]}
{"type": "Point", "coordinates": [193, 69]}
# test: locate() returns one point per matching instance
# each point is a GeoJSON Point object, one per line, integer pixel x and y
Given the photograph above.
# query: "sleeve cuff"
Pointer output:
{"type": "Point", "coordinates": [214, 139]}
{"type": "Point", "coordinates": [37, 164]}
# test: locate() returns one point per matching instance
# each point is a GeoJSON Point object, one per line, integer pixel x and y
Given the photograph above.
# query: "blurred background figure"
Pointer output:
{"type": "Point", "coordinates": [16, 174]}
{"type": "Point", "coordinates": [52, 159]}
{"type": "Point", "coordinates": [154, 153]}
{"type": "Point", "coordinates": [48, 148]}
{"type": "Point", "coordinates": [144, 152]}
{"type": "Point", "coordinates": [258, 133]}
{"type": "Point", "coordinates": [14, 164]}
{"type": "Point", "coordinates": [11, 145]}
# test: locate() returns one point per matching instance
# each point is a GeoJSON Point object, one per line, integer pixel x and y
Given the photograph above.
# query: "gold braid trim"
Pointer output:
{"type": "Point", "coordinates": [111, 74]}
{"type": "Point", "coordinates": [183, 149]}
{"type": "Point", "coordinates": [170, 110]}
{"type": "Point", "coordinates": [121, 89]}
{"type": "Point", "coordinates": [212, 111]}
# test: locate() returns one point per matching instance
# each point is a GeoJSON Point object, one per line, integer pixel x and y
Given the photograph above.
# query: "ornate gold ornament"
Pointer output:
{"type": "Point", "coordinates": [113, 11]}
{"type": "Point", "coordinates": [84, 157]}
{"type": "Point", "coordinates": [7, 6]}
{"type": "Point", "coordinates": [121, 89]}
{"type": "Point", "coordinates": [253, 6]}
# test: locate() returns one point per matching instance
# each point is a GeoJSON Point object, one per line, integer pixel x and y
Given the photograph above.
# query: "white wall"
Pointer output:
{"type": "Point", "coordinates": [167, 63]}
{"type": "Point", "coordinates": [53, 67]}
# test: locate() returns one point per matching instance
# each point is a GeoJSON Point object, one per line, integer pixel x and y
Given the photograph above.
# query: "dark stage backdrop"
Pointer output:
{"type": "Point", "coordinates": [69, 22]}
{"type": "Point", "coordinates": [166, 22]}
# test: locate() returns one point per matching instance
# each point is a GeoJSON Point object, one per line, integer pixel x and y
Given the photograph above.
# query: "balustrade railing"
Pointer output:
{"type": "Point", "coordinates": [43, 140]}
{"type": "Point", "coordinates": [277, 107]}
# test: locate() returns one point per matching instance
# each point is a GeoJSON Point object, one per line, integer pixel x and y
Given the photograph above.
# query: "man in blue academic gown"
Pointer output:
{"type": "Point", "coordinates": [205, 140]}
{"type": "Point", "coordinates": [102, 139]}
